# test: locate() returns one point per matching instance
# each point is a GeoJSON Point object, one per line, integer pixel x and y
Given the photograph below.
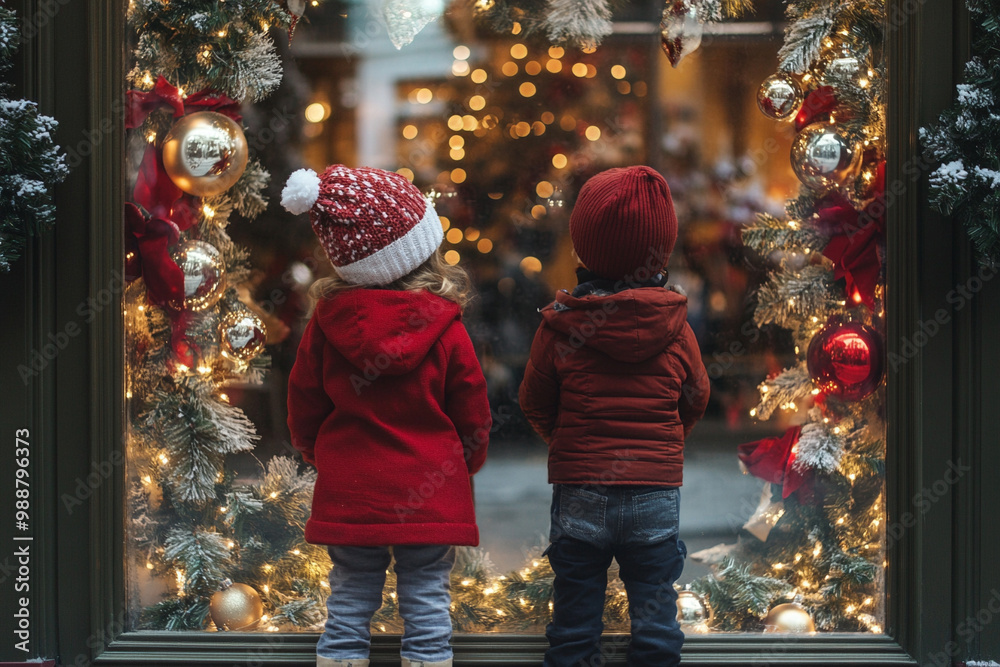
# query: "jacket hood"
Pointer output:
{"type": "Point", "coordinates": [630, 326]}
{"type": "Point", "coordinates": [389, 329]}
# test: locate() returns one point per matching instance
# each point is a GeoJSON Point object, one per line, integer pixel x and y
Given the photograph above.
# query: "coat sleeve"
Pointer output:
{"type": "Point", "coordinates": [695, 389]}
{"type": "Point", "coordinates": [539, 393]}
{"type": "Point", "coordinates": [466, 400]}
{"type": "Point", "coordinates": [308, 403]}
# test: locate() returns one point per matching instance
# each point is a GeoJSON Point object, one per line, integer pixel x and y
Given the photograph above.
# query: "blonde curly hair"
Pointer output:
{"type": "Point", "coordinates": [435, 275]}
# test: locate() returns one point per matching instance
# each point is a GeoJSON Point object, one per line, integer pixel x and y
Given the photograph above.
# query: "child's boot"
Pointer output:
{"type": "Point", "coordinates": [330, 662]}
{"type": "Point", "coordinates": [424, 663]}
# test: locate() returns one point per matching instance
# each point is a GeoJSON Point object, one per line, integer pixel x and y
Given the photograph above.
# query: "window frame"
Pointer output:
{"type": "Point", "coordinates": [87, 606]}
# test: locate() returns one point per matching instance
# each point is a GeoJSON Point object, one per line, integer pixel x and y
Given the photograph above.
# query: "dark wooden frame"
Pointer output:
{"type": "Point", "coordinates": [938, 402]}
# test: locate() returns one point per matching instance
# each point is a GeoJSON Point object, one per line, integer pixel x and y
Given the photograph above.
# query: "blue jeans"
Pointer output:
{"type": "Point", "coordinates": [637, 525]}
{"type": "Point", "coordinates": [423, 587]}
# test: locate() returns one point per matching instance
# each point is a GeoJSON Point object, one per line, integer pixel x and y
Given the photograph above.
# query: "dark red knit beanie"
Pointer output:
{"type": "Point", "coordinates": [624, 221]}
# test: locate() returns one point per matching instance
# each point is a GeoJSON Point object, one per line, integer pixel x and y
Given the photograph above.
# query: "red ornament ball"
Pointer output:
{"type": "Point", "coordinates": [846, 359]}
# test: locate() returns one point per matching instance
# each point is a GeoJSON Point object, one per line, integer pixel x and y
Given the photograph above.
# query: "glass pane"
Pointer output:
{"type": "Point", "coordinates": [781, 261]}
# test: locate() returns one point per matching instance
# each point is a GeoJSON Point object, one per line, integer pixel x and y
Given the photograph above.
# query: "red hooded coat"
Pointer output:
{"type": "Point", "coordinates": [388, 401]}
{"type": "Point", "coordinates": [614, 385]}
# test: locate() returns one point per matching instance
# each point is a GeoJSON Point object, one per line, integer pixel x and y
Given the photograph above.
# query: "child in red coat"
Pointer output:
{"type": "Point", "coordinates": [388, 401]}
{"type": "Point", "coordinates": [614, 384]}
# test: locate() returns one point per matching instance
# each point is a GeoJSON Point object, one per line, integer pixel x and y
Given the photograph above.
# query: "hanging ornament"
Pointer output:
{"type": "Point", "coordinates": [241, 335]}
{"type": "Point", "coordinates": [583, 23]}
{"type": "Point", "coordinates": [771, 460]}
{"type": "Point", "coordinates": [235, 607]}
{"type": "Point", "coordinates": [694, 613]}
{"type": "Point", "coordinates": [789, 618]}
{"type": "Point", "coordinates": [404, 19]}
{"type": "Point", "coordinates": [205, 153]}
{"type": "Point", "coordinates": [822, 157]}
{"type": "Point", "coordinates": [765, 516]}
{"type": "Point", "coordinates": [846, 359]}
{"type": "Point", "coordinates": [779, 97]}
{"type": "Point", "coordinates": [204, 274]}
{"type": "Point", "coordinates": [680, 30]}
{"type": "Point", "coordinates": [846, 59]}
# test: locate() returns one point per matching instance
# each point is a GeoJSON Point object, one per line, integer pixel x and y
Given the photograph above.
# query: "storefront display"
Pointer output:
{"type": "Point", "coordinates": [783, 132]}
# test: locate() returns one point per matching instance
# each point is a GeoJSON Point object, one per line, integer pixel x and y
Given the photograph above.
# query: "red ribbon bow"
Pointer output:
{"type": "Point", "coordinates": [771, 460]}
{"type": "Point", "coordinates": [817, 106]}
{"type": "Point", "coordinates": [854, 246]}
{"type": "Point", "coordinates": [147, 245]}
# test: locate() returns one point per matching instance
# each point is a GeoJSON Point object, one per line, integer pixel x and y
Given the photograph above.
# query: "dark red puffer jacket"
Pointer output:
{"type": "Point", "coordinates": [388, 401]}
{"type": "Point", "coordinates": [614, 385]}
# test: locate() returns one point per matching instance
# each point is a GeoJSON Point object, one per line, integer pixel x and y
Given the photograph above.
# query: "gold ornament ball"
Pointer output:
{"type": "Point", "coordinates": [822, 157]}
{"type": "Point", "coordinates": [779, 97]}
{"type": "Point", "coordinates": [205, 153]}
{"type": "Point", "coordinates": [790, 618]}
{"type": "Point", "coordinates": [242, 335]}
{"type": "Point", "coordinates": [204, 274]}
{"type": "Point", "coordinates": [693, 610]}
{"type": "Point", "coordinates": [235, 607]}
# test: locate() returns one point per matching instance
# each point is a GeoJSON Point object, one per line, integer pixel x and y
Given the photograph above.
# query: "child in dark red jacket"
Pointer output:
{"type": "Point", "coordinates": [614, 384]}
{"type": "Point", "coordinates": [388, 401]}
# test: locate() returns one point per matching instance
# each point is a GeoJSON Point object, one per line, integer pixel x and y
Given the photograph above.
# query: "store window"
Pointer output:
{"type": "Point", "coordinates": [781, 260]}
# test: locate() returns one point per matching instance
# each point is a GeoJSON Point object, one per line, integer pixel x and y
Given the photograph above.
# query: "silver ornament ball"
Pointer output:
{"type": "Point", "coordinates": [822, 157]}
{"type": "Point", "coordinates": [204, 274]}
{"type": "Point", "coordinates": [241, 335]}
{"type": "Point", "coordinates": [779, 97]}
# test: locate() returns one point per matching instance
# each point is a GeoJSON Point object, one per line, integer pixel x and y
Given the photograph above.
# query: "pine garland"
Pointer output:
{"type": "Point", "coordinates": [964, 141]}
{"type": "Point", "coordinates": [31, 164]}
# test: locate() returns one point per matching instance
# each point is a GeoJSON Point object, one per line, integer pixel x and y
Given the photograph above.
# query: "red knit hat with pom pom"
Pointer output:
{"type": "Point", "coordinates": [375, 226]}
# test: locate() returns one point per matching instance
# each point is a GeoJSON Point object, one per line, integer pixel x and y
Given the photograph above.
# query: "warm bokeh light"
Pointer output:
{"type": "Point", "coordinates": [554, 66]}
{"type": "Point", "coordinates": [559, 161]}
{"type": "Point", "coordinates": [478, 76]}
{"type": "Point", "coordinates": [454, 235]}
{"type": "Point", "coordinates": [445, 222]}
{"type": "Point", "coordinates": [471, 234]}
{"type": "Point", "coordinates": [456, 153]}
{"type": "Point", "coordinates": [548, 117]}
{"type": "Point", "coordinates": [460, 68]}
{"type": "Point", "coordinates": [424, 95]}
{"type": "Point", "coordinates": [567, 123]}
{"type": "Point", "coordinates": [456, 141]}
{"type": "Point", "coordinates": [455, 123]}
{"type": "Point", "coordinates": [618, 72]}
{"type": "Point", "coordinates": [522, 129]}
{"type": "Point", "coordinates": [458, 176]}
{"type": "Point", "coordinates": [452, 257]}
{"type": "Point", "coordinates": [484, 246]}
{"type": "Point", "coordinates": [461, 52]}
{"type": "Point", "coordinates": [410, 132]}
{"type": "Point", "coordinates": [556, 52]}
{"type": "Point", "coordinates": [593, 133]}
{"type": "Point", "coordinates": [544, 189]}
{"type": "Point", "coordinates": [518, 51]}
{"type": "Point", "coordinates": [532, 67]}
{"type": "Point", "coordinates": [527, 89]}
{"type": "Point", "coordinates": [580, 70]}
{"type": "Point", "coordinates": [469, 122]}
{"type": "Point", "coordinates": [317, 112]}
{"type": "Point", "coordinates": [406, 173]}
{"type": "Point", "coordinates": [477, 102]}
{"type": "Point", "coordinates": [509, 68]}
{"type": "Point", "coordinates": [538, 211]}
{"type": "Point", "coordinates": [531, 265]}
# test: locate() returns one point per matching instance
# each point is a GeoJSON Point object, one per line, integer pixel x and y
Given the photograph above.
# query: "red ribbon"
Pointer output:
{"type": "Point", "coordinates": [141, 104]}
{"type": "Point", "coordinates": [854, 247]}
{"type": "Point", "coordinates": [817, 106]}
{"type": "Point", "coordinates": [771, 460]}
{"type": "Point", "coordinates": [147, 243]}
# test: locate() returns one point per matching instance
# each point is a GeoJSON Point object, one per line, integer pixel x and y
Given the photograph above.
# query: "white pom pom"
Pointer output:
{"type": "Point", "coordinates": [301, 191]}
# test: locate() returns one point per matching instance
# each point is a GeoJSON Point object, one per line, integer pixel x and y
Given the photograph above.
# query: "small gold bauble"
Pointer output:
{"type": "Point", "coordinates": [205, 153]}
{"type": "Point", "coordinates": [779, 97]}
{"type": "Point", "coordinates": [790, 618]}
{"type": "Point", "coordinates": [235, 607]}
{"type": "Point", "coordinates": [693, 610]}
{"type": "Point", "coordinates": [241, 335]}
{"type": "Point", "coordinates": [822, 157]}
{"type": "Point", "coordinates": [204, 274]}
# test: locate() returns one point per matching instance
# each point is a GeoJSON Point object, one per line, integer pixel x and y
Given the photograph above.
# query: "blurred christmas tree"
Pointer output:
{"type": "Point", "coordinates": [812, 555]}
